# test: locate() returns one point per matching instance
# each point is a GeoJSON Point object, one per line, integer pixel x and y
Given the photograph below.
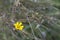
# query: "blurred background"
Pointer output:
{"type": "Point", "coordinates": [41, 19]}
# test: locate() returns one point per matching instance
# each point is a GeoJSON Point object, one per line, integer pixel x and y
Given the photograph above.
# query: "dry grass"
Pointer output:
{"type": "Point", "coordinates": [41, 21]}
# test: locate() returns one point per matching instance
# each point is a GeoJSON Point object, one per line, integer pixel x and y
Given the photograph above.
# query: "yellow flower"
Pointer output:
{"type": "Point", "coordinates": [19, 26]}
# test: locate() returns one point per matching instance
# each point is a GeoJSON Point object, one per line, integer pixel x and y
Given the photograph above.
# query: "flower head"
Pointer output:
{"type": "Point", "coordinates": [19, 26]}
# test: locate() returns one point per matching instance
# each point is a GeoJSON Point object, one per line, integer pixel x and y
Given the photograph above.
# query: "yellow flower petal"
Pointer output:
{"type": "Point", "coordinates": [20, 23]}
{"type": "Point", "coordinates": [17, 23]}
{"type": "Point", "coordinates": [21, 27]}
{"type": "Point", "coordinates": [18, 26]}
